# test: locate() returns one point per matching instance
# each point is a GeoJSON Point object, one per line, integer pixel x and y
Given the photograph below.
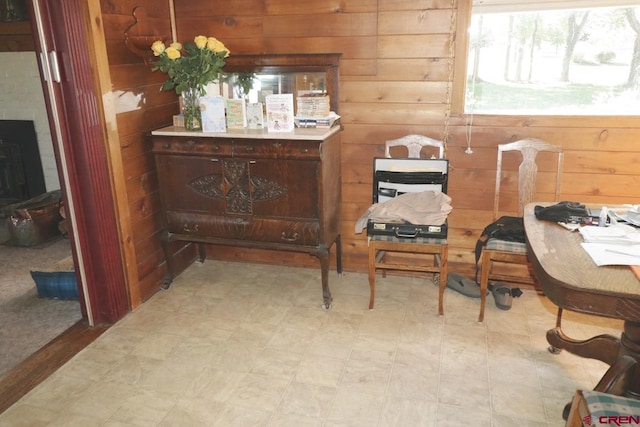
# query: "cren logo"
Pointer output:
{"type": "Point", "coordinates": [615, 420]}
{"type": "Point", "coordinates": [587, 420]}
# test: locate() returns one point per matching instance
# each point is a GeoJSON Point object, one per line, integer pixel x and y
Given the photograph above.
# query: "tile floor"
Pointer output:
{"type": "Point", "coordinates": [234, 344]}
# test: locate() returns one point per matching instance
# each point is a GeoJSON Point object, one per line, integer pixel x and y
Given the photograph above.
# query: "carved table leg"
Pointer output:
{"type": "Point", "coordinates": [623, 376]}
{"type": "Point", "coordinates": [602, 347]}
{"type": "Point", "coordinates": [165, 239]}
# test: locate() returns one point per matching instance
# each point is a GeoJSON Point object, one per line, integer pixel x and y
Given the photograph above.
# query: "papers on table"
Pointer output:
{"type": "Point", "coordinates": [614, 245]}
{"type": "Point", "coordinates": [606, 254]}
{"type": "Point", "coordinates": [632, 217]}
{"type": "Point", "coordinates": [619, 234]}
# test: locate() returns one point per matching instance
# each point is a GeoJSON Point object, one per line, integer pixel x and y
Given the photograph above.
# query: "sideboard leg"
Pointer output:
{"type": "Point", "coordinates": [339, 254]}
{"type": "Point", "coordinates": [323, 255]}
{"type": "Point", "coordinates": [166, 283]}
{"type": "Point", "coordinates": [202, 252]}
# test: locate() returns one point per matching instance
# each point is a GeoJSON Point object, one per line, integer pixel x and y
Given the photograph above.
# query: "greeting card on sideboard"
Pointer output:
{"type": "Point", "coordinates": [279, 112]}
{"type": "Point", "coordinates": [255, 115]}
{"type": "Point", "coordinates": [236, 114]}
{"type": "Point", "coordinates": [213, 116]}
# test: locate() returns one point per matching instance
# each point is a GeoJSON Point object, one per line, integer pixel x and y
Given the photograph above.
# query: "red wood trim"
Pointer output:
{"type": "Point", "coordinates": [84, 143]}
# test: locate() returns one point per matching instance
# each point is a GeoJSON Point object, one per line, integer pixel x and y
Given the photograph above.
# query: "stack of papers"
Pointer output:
{"type": "Point", "coordinates": [632, 216]}
{"type": "Point", "coordinates": [614, 245]}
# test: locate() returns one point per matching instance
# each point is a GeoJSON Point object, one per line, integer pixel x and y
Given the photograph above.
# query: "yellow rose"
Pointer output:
{"type": "Point", "coordinates": [217, 46]}
{"type": "Point", "coordinates": [200, 41]}
{"type": "Point", "coordinates": [157, 47]}
{"type": "Point", "coordinates": [173, 53]}
{"type": "Point", "coordinates": [176, 45]}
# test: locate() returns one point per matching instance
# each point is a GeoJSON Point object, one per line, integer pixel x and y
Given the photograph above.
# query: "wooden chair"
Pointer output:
{"type": "Point", "coordinates": [379, 246]}
{"type": "Point", "coordinates": [588, 407]}
{"type": "Point", "coordinates": [510, 252]}
{"type": "Point", "coordinates": [414, 145]}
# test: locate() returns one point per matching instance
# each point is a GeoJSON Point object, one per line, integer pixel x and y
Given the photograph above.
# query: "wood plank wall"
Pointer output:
{"type": "Point", "coordinates": [139, 107]}
{"type": "Point", "coordinates": [394, 77]}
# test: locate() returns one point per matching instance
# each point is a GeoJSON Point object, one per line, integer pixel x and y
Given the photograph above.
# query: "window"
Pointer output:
{"type": "Point", "coordinates": [554, 57]}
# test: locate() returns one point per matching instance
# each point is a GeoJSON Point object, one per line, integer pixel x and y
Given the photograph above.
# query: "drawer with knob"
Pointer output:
{"type": "Point", "coordinates": [273, 149]}
{"type": "Point", "coordinates": [192, 145]}
{"type": "Point", "coordinates": [244, 227]}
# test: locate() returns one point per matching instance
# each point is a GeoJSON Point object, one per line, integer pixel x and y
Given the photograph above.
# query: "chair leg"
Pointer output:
{"type": "Point", "coordinates": [372, 274]}
{"type": "Point", "coordinates": [485, 265]}
{"type": "Point", "coordinates": [444, 273]}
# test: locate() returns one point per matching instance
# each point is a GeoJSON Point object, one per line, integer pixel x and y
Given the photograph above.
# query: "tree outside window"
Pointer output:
{"type": "Point", "coordinates": [557, 62]}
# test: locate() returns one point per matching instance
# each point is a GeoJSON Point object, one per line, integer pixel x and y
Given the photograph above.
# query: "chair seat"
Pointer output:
{"type": "Point", "coordinates": [506, 246]}
{"type": "Point", "coordinates": [589, 406]}
{"type": "Point", "coordinates": [416, 240]}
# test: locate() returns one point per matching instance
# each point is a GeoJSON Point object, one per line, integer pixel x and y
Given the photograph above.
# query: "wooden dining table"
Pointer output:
{"type": "Point", "coordinates": [572, 281]}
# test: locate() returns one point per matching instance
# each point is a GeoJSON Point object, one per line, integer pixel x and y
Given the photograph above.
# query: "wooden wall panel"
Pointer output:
{"type": "Point", "coordinates": [221, 27]}
{"type": "Point", "coordinates": [385, 5]}
{"type": "Point", "coordinates": [410, 22]}
{"type": "Point", "coordinates": [414, 46]}
{"type": "Point", "coordinates": [393, 91]}
{"type": "Point", "coordinates": [192, 8]}
{"type": "Point", "coordinates": [287, 7]}
{"type": "Point", "coordinates": [394, 75]}
{"type": "Point", "coordinates": [328, 25]}
{"type": "Point", "coordinates": [140, 107]}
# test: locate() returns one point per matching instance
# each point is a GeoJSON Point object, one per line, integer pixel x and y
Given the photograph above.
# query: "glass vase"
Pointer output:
{"type": "Point", "coordinates": [191, 109]}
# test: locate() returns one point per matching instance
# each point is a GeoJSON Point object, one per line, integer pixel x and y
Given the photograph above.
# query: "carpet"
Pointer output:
{"type": "Point", "coordinates": [28, 322]}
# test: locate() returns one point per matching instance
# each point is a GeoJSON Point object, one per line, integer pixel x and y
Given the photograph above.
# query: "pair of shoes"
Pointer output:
{"type": "Point", "coordinates": [502, 295]}
{"type": "Point", "coordinates": [466, 287]}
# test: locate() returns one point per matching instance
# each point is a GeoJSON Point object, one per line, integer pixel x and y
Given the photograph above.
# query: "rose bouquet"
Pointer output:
{"type": "Point", "coordinates": [190, 67]}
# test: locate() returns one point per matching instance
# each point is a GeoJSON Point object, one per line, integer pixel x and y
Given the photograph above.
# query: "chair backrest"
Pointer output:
{"type": "Point", "coordinates": [414, 144]}
{"type": "Point", "coordinates": [527, 171]}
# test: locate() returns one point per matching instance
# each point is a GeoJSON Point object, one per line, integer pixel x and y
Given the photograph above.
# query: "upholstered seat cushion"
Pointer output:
{"type": "Point", "coordinates": [506, 246]}
{"type": "Point", "coordinates": [608, 405]}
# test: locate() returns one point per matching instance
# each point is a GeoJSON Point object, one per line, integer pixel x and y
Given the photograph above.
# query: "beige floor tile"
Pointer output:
{"type": "Point", "coordinates": [464, 392]}
{"type": "Point", "coordinates": [309, 400]}
{"type": "Point", "coordinates": [277, 363]}
{"type": "Point", "coordinates": [516, 400]}
{"type": "Point", "coordinates": [47, 396]}
{"type": "Point", "coordinates": [293, 420]}
{"type": "Point", "coordinates": [101, 400]}
{"type": "Point", "coordinates": [512, 370]}
{"type": "Point", "coordinates": [398, 412]}
{"type": "Point", "coordinates": [192, 412]}
{"type": "Point", "coordinates": [354, 409]}
{"type": "Point", "coordinates": [144, 408]}
{"type": "Point", "coordinates": [241, 416]}
{"type": "Point", "coordinates": [455, 416]}
{"type": "Point", "coordinates": [413, 382]}
{"type": "Point", "coordinates": [26, 415]}
{"type": "Point", "coordinates": [214, 384]}
{"type": "Point", "coordinates": [320, 370]}
{"type": "Point", "coordinates": [234, 344]}
{"type": "Point", "coordinates": [369, 377]}
{"type": "Point", "coordinates": [258, 391]}
{"type": "Point", "coordinates": [466, 364]}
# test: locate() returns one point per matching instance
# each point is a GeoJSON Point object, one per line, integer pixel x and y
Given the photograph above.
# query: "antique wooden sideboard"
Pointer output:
{"type": "Point", "coordinates": [251, 188]}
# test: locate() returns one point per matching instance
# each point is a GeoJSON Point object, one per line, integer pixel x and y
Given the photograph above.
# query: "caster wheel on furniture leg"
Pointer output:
{"type": "Point", "coordinates": [166, 283]}
{"type": "Point", "coordinates": [554, 350]}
